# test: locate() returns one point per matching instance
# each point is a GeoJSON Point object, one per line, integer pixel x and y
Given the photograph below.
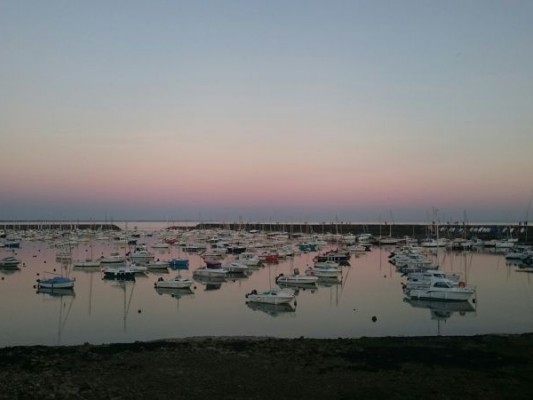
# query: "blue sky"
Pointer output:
{"type": "Point", "coordinates": [302, 110]}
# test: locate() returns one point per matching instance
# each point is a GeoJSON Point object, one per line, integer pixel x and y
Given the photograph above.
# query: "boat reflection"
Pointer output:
{"type": "Point", "coordinates": [56, 292]}
{"type": "Point", "coordinates": [274, 310]}
{"type": "Point", "coordinates": [442, 310]}
{"type": "Point", "coordinates": [328, 282]}
{"type": "Point", "coordinates": [174, 292]}
{"type": "Point", "coordinates": [65, 305]}
{"type": "Point", "coordinates": [9, 270]}
{"type": "Point", "coordinates": [210, 283]}
{"type": "Point", "coordinates": [298, 286]}
{"type": "Point", "coordinates": [123, 285]}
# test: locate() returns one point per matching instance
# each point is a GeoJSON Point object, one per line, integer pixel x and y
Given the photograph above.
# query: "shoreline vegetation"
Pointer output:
{"type": "Point", "coordinates": [443, 367]}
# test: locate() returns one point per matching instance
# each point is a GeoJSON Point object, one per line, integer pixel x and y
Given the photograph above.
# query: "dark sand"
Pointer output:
{"type": "Point", "coordinates": [476, 367]}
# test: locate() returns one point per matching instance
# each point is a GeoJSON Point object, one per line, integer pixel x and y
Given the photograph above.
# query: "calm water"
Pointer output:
{"type": "Point", "coordinates": [104, 311]}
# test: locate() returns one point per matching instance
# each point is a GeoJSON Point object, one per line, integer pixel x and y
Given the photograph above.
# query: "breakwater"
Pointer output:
{"type": "Point", "coordinates": [57, 226]}
{"type": "Point", "coordinates": [522, 232]}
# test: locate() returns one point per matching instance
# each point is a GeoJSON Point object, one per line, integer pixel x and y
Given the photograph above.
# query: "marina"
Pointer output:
{"type": "Point", "coordinates": [366, 299]}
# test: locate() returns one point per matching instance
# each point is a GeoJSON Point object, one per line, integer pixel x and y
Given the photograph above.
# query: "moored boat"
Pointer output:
{"type": "Point", "coordinates": [271, 296]}
{"type": "Point", "coordinates": [441, 289]}
{"type": "Point", "coordinates": [56, 282]}
{"type": "Point", "coordinates": [119, 272]}
{"type": "Point", "coordinates": [177, 282]}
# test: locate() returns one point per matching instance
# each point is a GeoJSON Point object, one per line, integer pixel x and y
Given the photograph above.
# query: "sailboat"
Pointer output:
{"type": "Point", "coordinates": [56, 281]}
{"type": "Point", "coordinates": [88, 262]}
{"type": "Point", "coordinates": [389, 240]}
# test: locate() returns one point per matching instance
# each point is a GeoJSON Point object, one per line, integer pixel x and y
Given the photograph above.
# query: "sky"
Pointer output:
{"type": "Point", "coordinates": [266, 110]}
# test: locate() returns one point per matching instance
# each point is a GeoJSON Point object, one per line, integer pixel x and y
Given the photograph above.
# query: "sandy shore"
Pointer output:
{"type": "Point", "coordinates": [484, 367]}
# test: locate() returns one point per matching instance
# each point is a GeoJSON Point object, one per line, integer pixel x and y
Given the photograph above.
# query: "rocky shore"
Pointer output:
{"type": "Point", "coordinates": [474, 367]}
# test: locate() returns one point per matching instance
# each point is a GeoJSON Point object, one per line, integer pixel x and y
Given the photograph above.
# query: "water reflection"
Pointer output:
{"type": "Point", "coordinates": [274, 310]}
{"type": "Point", "coordinates": [127, 288]}
{"type": "Point", "coordinates": [370, 286]}
{"type": "Point", "coordinates": [441, 311]}
{"type": "Point", "coordinates": [209, 282]}
{"type": "Point", "coordinates": [64, 299]}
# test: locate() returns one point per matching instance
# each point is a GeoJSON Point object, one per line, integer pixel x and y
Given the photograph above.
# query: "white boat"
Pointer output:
{"type": "Point", "coordinates": [423, 279]}
{"type": "Point", "coordinates": [56, 282]}
{"type": "Point", "coordinates": [211, 272]}
{"type": "Point", "coordinates": [157, 264]}
{"type": "Point", "coordinates": [160, 245]}
{"type": "Point", "coordinates": [324, 271]}
{"type": "Point", "coordinates": [271, 296]}
{"type": "Point", "coordinates": [329, 265]}
{"type": "Point", "coordinates": [296, 279]}
{"type": "Point", "coordinates": [113, 259]}
{"type": "Point", "coordinates": [249, 259]}
{"type": "Point", "coordinates": [177, 282]}
{"type": "Point", "coordinates": [88, 263]}
{"type": "Point", "coordinates": [441, 289]}
{"type": "Point", "coordinates": [9, 262]}
{"type": "Point", "coordinates": [440, 242]}
{"type": "Point", "coordinates": [141, 255]}
{"type": "Point", "coordinates": [236, 267]}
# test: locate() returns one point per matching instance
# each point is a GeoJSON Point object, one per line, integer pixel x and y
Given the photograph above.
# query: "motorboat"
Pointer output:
{"type": "Point", "coordinates": [423, 279]}
{"type": "Point", "coordinates": [323, 272]}
{"type": "Point", "coordinates": [156, 265]}
{"type": "Point", "coordinates": [249, 259]}
{"type": "Point", "coordinates": [141, 255]}
{"type": "Point", "coordinates": [113, 259]}
{"type": "Point", "coordinates": [341, 257]}
{"type": "Point", "coordinates": [177, 282]}
{"type": "Point", "coordinates": [236, 267]}
{"type": "Point", "coordinates": [211, 272]}
{"type": "Point", "coordinates": [296, 279]}
{"type": "Point", "coordinates": [179, 263]}
{"type": "Point", "coordinates": [272, 296]}
{"type": "Point", "coordinates": [119, 272]}
{"type": "Point", "coordinates": [88, 263]}
{"type": "Point", "coordinates": [442, 289]}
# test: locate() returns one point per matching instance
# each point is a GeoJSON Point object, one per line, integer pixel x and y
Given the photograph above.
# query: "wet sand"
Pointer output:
{"type": "Point", "coordinates": [484, 367]}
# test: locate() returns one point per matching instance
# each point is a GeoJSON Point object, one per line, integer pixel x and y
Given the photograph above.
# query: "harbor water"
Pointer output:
{"type": "Point", "coordinates": [367, 301]}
